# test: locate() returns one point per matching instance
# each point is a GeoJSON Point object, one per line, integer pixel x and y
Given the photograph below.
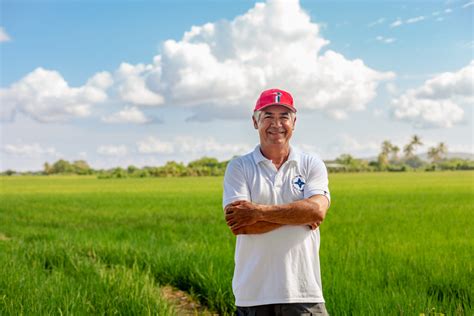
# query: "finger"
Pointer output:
{"type": "Point", "coordinates": [236, 226]}
{"type": "Point", "coordinates": [240, 207]}
{"type": "Point", "coordinates": [235, 232]}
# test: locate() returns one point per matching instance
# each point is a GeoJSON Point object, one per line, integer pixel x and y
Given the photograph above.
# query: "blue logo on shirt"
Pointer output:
{"type": "Point", "coordinates": [298, 182]}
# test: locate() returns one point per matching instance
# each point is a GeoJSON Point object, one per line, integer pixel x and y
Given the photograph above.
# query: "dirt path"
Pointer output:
{"type": "Point", "coordinates": [183, 303]}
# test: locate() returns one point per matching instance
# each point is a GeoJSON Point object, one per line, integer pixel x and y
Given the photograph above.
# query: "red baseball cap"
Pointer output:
{"type": "Point", "coordinates": [273, 97]}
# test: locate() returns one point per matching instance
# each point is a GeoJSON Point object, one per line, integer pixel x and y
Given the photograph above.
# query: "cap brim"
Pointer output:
{"type": "Point", "coordinates": [292, 109]}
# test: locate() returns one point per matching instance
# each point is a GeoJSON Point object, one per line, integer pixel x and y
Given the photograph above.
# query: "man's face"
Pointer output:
{"type": "Point", "coordinates": [275, 125]}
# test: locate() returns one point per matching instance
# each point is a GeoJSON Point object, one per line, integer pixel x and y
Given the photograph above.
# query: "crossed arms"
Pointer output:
{"type": "Point", "coordinates": [244, 217]}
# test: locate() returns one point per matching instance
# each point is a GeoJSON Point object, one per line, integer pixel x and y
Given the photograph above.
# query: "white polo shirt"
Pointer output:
{"type": "Point", "coordinates": [281, 266]}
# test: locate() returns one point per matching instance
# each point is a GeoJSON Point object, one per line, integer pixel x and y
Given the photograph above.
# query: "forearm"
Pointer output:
{"type": "Point", "coordinates": [303, 212]}
{"type": "Point", "coordinates": [241, 214]}
{"type": "Point", "coordinates": [259, 228]}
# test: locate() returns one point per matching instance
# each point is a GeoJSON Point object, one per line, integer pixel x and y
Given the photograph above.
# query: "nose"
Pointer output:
{"type": "Point", "coordinates": [276, 122]}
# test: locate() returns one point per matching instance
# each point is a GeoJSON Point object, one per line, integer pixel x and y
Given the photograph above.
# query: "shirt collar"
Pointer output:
{"type": "Point", "coordinates": [259, 157]}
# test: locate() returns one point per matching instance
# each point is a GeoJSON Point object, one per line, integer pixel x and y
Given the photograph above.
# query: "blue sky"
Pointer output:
{"type": "Point", "coordinates": [119, 82]}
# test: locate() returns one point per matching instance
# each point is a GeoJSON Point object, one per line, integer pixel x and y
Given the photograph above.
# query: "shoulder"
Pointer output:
{"type": "Point", "coordinates": [240, 162]}
{"type": "Point", "coordinates": [310, 159]}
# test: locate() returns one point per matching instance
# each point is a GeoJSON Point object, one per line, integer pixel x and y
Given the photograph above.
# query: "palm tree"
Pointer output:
{"type": "Point", "coordinates": [433, 154]}
{"type": "Point", "coordinates": [382, 161]}
{"type": "Point", "coordinates": [383, 156]}
{"type": "Point", "coordinates": [437, 153]}
{"type": "Point", "coordinates": [395, 150]}
{"type": "Point", "coordinates": [409, 148]}
{"type": "Point", "coordinates": [443, 149]}
{"type": "Point", "coordinates": [416, 140]}
{"type": "Point", "coordinates": [386, 147]}
{"type": "Point", "coordinates": [47, 168]}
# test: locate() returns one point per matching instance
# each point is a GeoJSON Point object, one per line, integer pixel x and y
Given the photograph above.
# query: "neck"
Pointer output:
{"type": "Point", "coordinates": [278, 154]}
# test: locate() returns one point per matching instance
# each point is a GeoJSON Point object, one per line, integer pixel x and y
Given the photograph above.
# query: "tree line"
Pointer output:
{"type": "Point", "coordinates": [205, 166]}
{"type": "Point", "coordinates": [389, 159]}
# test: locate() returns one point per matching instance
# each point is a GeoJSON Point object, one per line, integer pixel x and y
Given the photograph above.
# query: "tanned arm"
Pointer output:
{"type": "Point", "coordinates": [307, 211]}
{"type": "Point", "coordinates": [242, 214]}
{"type": "Point", "coordinates": [257, 228]}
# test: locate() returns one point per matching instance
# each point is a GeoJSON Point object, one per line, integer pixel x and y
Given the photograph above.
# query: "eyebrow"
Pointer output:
{"type": "Point", "coordinates": [271, 113]}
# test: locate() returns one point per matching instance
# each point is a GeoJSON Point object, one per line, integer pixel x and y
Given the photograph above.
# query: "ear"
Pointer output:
{"type": "Point", "coordinates": [255, 124]}
{"type": "Point", "coordinates": [294, 123]}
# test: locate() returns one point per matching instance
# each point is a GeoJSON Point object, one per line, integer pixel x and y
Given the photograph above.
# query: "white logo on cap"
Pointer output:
{"type": "Point", "coordinates": [278, 97]}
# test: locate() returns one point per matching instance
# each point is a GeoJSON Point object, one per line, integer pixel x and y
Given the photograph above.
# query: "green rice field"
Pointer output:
{"type": "Point", "coordinates": [392, 244]}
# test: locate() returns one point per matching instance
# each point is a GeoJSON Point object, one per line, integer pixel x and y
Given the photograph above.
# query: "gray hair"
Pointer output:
{"type": "Point", "coordinates": [256, 115]}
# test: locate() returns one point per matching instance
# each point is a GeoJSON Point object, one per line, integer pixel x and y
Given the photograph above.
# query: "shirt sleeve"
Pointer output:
{"type": "Point", "coordinates": [317, 181]}
{"type": "Point", "coordinates": [235, 185]}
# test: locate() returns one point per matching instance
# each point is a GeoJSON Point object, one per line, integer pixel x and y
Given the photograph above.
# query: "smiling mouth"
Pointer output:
{"type": "Point", "coordinates": [276, 133]}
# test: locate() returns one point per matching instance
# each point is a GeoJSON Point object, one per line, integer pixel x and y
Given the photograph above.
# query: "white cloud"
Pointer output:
{"type": "Point", "coordinates": [468, 4]}
{"type": "Point", "coordinates": [426, 112]}
{"type": "Point", "coordinates": [386, 40]}
{"type": "Point", "coordinates": [396, 23]}
{"type": "Point", "coordinates": [460, 148]}
{"type": "Point", "coordinates": [131, 84]}
{"type": "Point", "coordinates": [415, 20]}
{"type": "Point", "coordinates": [4, 37]}
{"type": "Point", "coordinates": [152, 145]}
{"type": "Point", "coordinates": [391, 88]}
{"type": "Point", "coordinates": [45, 96]}
{"type": "Point", "coordinates": [467, 44]}
{"type": "Point", "coordinates": [218, 69]}
{"type": "Point", "coordinates": [377, 22]}
{"type": "Point", "coordinates": [346, 144]}
{"type": "Point", "coordinates": [378, 112]}
{"type": "Point", "coordinates": [209, 146]}
{"type": "Point", "coordinates": [440, 19]}
{"type": "Point", "coordinates": [190, 146]}
{"type": "Point", "coordinates": [309, 148]}
{"type": "Point", "coordinates": [112, 150]}
{"type": "Point", "coordinates": [29, 150]}
{"type": "Point", "coordinates": [448, 11]}
{"type": "Point", "coordinates": [127, 115]}
{"type": "Point", "coordinates": [338, 115]}
{"type": "Point", "coordinates": [436, 13]}
{"type": "Point", "coordinates": [101, 80]}
{"type": "Point", "coordinates": [437, 102]}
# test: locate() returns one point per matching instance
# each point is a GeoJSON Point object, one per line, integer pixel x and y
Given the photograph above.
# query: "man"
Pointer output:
{"type": "Point", "coordinates": [275, 198]}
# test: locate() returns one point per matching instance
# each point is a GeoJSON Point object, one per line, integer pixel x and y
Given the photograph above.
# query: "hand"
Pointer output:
{"type": "Point", "coordinates": [239, 231]}
{"type": "Point", "coordinates": [241, 213]}
{"type": "Point", "coordinates": [313, 226]}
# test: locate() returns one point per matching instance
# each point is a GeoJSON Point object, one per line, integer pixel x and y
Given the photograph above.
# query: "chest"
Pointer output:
{"type": "Point", "coordinates": [267, 185]}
